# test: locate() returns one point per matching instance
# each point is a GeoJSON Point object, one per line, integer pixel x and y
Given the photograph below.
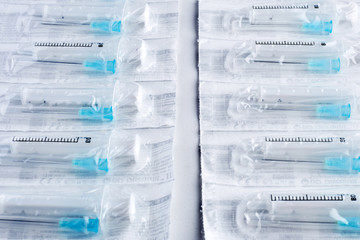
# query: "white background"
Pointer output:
{"type": "Point", "coordinates": [185, 209]}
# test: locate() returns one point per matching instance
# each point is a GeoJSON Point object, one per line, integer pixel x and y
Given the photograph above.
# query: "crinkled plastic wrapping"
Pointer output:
{"type": "Point", "coordinates": [103, 106]}
{"type": "Point", "coordinates": [55, 60]}
{"type": "Point", "coordinates": [137, 18]}
{"type": "Point", "coordinates": [231, 19]}
{"type": "Point", "coordinates": [96, 157]}
{"type": "Point", "coordinates": [110, 212]}
{"type": "Point", "coordinates": [278, 107]}
{"type": "Point", "coordinates": [280, 213]}
{"type": "Point", "coordinates": [278, 59]}
{"type": "Point", "coordinates": [280, 158]}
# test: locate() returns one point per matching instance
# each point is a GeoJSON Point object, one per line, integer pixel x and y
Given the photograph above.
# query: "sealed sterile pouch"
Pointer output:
{"type": "Point", "coordinates": [278, 60]}
{"type": "Point", "coordinates": [271, 107]}
{"type": "Point", "coordinates": [87, 60]}
{"type": "Point", "coordinates": [83, 107]}
{"type": "Point", "coordinates": [280, 158]}
{"type": "Point", "coordinates": [147, 60]}
{"type": "Point", "coordinates": [137, 18]}
{"type": "Point", "coordinates": [231, 19]}
{"type": "Point", "coordinates": [117, 156]}
{"type": "Point", "coordinates": [280, 213]}
{"type": "Point", "coordinates": [97, 212]}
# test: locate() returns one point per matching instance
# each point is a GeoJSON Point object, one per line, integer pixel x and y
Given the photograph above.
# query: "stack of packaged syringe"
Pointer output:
{"type": "Point", "coordinates": [280, 119]}
{"type": "Point", "coordinates": [87, 108]}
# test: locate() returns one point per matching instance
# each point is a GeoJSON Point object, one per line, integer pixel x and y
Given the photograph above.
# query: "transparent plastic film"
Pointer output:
{"type": "Point", "coordinates": [280, 59]}
{"type": "Point", "coordinates": [153, 19]}
{"type": "Point", "coordinates": [74, 216]}
{"type": "Point", "coordinates": [270, 154]}
{"type": "Point", "coordinates": [82, 212]}
{"type": "Point", "coordinates": [59, 60]}
{"type": "Point", "coordinates": [147, 60]}
{"type": "Point", "coordinates": [314, 57]}
{"type": "Point", "coordinates": [327, 212]}
{"type": "Point", "coordinates": [294, 103]}
{"type": "Point", "coordinates": [84, 153]}
{"type": "Point", "coordinates": [126, 104]}
{"type": "Point", "coordinates": [232, 19]}
{"type": "Point", "coordinates": [33, 20]}
{"type": "Point", "coordinates": [88, 60]}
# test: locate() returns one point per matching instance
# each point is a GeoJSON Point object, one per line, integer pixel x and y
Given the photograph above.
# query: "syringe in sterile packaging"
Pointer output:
{"type": "Point", "coordinates": [288, 56]}
{"type": "Point", "coordinates": [331, 154]}
{"type": "Point", "coordinates": [324, 211]}
{"type": "Point", "coordinates": [96, 152]}
{"type": "Point", "coordinates": [60, 213]}
{"type": "Point", "coordinates": [99, 105]}
{"type": "Point", "coordinates": [71, 57]}
{"type": "Point", "coordinates": [307, 17]}
{"type": "Point", "coordinates": [37, 19]}
{"type": "Point", "coordinates": [291, 102]}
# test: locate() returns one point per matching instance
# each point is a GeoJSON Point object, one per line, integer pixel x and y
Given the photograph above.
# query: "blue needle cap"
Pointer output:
{"type": "Point", "coordinates": [100, 65]}
{"type": "Point", "coordinates": [104, 114]}
{"type": "Point", "coordinates": [91, 164]}
{"type": "Point", "coordinates": [334, 111]}
{"type": "Point", "coordinates": [342, 164]}
{"type": "Point", "coordinates": [324, 65]}
{"type": "Point", "coordinates": [318, 27]}
{"type": "Point", "coordinates": [84, 225]}
{"type": "Point", "coordinates": [107, 26]}
{"type": "Point", "coordinates": [353, 222]}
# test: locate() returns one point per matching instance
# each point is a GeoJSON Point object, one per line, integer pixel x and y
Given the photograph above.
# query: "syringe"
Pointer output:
{"type": "Point", "coordinates": [94, 104]}
{"type": "Point", "coordinates": [69, 214]}
{"type": "Point", "coordinates": [295, 56]}
{"type": "Point", "coordinates": [68, 57]}
{"type": "Point", "coordinates": [117, 153]}
{"type": "Point", "coordinates": [40, 19]}
{"type": "Point", "coordinates": [331, 154]}
{"type": "Point", "coordinates": [319, 211]}
{"type": "Point", "coordinates": [310, 18]}
{"type": "Point", "coordinates": [287, 102]}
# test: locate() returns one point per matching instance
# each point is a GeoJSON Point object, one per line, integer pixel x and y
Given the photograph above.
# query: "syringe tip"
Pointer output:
{"type": "Point", "coordinates": [107, 26]}
{"type": "Point", "coordinates": [104, 114]}
{"type": "Point", "coordinates": [324, 65]}
{"type": "Point", "coordinates": [91, 164]}
{"type": "Point", "coordinates": [100, 65]}
{"type": "Point", "coordinates": [318, 27]}
{"type": "Point", "coordinates": [353, 222]}
{"type": "Point", "coordinates": [334, 111]}
{"type": "Point", "coordinates": [84, 225]}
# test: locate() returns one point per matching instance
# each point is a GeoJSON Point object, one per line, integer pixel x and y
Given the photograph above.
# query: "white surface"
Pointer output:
{"type": "Point", "coordinates": [185, 208]}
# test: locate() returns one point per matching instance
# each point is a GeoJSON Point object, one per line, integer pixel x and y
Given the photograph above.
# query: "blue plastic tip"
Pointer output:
{"type": "Point", "coordinates": [356, 164]}
{"type": "Point", "coordinates": [333, 111]}
{"type": "Point", "coordinates": [107, 26]}
{"type": "Point", "coordinates": [90, 164]}
{"type": "Point", "coordinates": [84, 225]}
{"type": "Point", "coordinates": [100, 65]}
{"type": "Point", "coordinates": [319, 27]}
{"type": "Point", "coordinates": [325, 65]}
{"type": "Point", "coordinates": [104, 114]}
{"type": "Point", "coordinates": [338, 164]}
{"type": "Point", "coordinates": [353, 222]}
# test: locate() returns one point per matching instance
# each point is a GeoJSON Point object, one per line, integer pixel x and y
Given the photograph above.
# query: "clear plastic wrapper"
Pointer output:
{"type": "Point", "coordinates": [137, 18]}
{"type": "Point", "coordinates": [107, 212]}
{"type": "Point", "coordinates": [87, 60]}
{"type": "Point", "coordinates": [280, 158]}
{"type": "Point", "coordinates": [282, 107]}
{"type": "Point", "coordinates": [118, 156]}
{"type": "Point", "coordinates": [278, 59]}
{"type": "Point", "coordinates": [80, 107]}
{"type": "Point", "coordinates": [231, 19]}
{"type": "Point", "coordinates": [281, 213]}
